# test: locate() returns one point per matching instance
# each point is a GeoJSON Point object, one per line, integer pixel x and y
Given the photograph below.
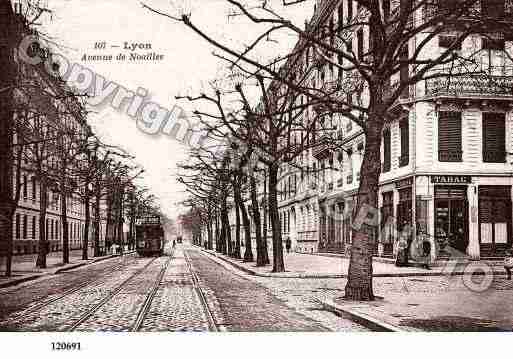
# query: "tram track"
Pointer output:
{"type": "Point", "coordinates": [208, 313]}
{"type": "Point", "coordinates": [38, 307]}
{"type": "Point", "coordinates": [149, 299]}
{"type": "Point", "coordinates": [88, 314]}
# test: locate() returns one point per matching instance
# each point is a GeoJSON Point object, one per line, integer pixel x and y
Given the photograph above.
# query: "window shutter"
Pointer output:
{"type": "Point", "coordinates": [494, 137]}
{"type": "Point", "coordinates": [449, 137]}
{"type": "Point", "coordinates": [386, 150]}
{"type": "Point", "coordinates": [359, 37]}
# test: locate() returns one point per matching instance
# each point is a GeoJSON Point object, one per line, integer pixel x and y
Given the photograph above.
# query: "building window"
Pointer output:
{"type": "Point", "coordinates": [405, 143]}
{"type": "Point", "coordinates": [493, 44]}
{"type": "Point", "coordinates": [387, 215]}
{"type": "Point", "coordinates": [449, 137]}
{"type": "Point", "coordinates": [349, 10]}
{"type": "Point", "coordinates": [494, 138]}
{"type": "Point", "coordinates": [492, 8]}
{"type": "Point", "coordinates": [386, 9]}
{"type": "Point", "coordinates": [34, 188]}
{"type": "Point", "coordinates": [33, 227]}
{"type": "Point", "coordinates": [25, 184]}
{"type": "Point", "coordinates": [25, 220]}
{"type": "Point", "coordinates": [359, 39]}
{"type": "Point", "coordinates": [447, 41]}
{"type": "Point", "coordinates": [17, 225]}
{"type": "Point", "coordinates": [387, 153]}
{"type": "Point", "coordinates": [494, 219]}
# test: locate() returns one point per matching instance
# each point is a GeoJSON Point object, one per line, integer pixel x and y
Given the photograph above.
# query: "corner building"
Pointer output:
{"type": "Point", "coordinates": [446, 160]}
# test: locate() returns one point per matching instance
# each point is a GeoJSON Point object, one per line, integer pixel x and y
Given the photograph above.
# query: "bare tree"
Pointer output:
{"type": "Point", "coordinates": [380, 72]}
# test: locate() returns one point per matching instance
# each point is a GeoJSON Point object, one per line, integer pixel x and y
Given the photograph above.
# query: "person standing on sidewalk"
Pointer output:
{"type": "Point", "coordinates": [508, 262]}
{"type": "Point", "coordinates": [288, 244]}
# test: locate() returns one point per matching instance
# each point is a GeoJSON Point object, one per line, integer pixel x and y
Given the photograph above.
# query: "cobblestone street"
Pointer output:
{"type": "Point", "coordinates": [184, 290]}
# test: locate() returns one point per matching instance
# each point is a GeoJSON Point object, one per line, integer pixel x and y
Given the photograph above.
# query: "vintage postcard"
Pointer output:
{"type": "Point", "coordinates": [254, 166]}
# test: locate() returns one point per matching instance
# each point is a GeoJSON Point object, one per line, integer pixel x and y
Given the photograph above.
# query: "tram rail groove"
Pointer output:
{"type": "Point", "coordinates": [208, 313]}
{"type": "Point", "coordinates": [106, 299]}
{"type": "Point", "coordinates": [67, 293]}
{"type": "Point", "coordinates": [149, 298]}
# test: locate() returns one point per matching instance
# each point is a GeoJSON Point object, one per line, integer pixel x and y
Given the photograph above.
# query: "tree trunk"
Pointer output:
{"type": "Point", "coordinates": [85, 245]}
{"type": "Point", "coordinates": [97, 219]}
{"type": "Point", "coordinates": [359, 283]}
{"type": "Point", "coordinates": [236, 250]}
{"type": "Point", "coordinates": [43, 243]}
{"type": "Point", "coordinates": [217, 234]}
{"type": "Point", "coordinates": [263, 251]}
{"type": "Point", "coordinates": [120, 219]}
{"type": "Point", "coordinates": [209, 233]}
{"type": "Point", "coordinates": [227, 247]}
{"type": "Point", "coordinates": [278, 264]}
{"type": "Point", "coordinates": [7, 80]}
{"type": "Point", "coordinates": [262, 257]}
{"type": "Point", "coordinates": [64, 219]}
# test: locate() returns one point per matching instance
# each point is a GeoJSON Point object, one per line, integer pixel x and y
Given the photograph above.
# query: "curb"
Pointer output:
{"type": "Point", "coordinates": [78, 265]}
{"type": "Point", "coordinates": [362, 319]}
{"type": "Point", "coordinates": [15, 282]}
{"type": "Point", "coordinates": [338, 276]}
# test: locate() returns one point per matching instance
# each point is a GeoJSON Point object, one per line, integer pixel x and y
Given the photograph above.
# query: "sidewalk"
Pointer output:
{"type": "Point", "coordinates": [298, 265]}
{"type": "Point", "coordinates": [407, 299]}
{"type": "Point", "coordinates": [455, 308]}
{"type": "Point", "coordinates": [24, 268]}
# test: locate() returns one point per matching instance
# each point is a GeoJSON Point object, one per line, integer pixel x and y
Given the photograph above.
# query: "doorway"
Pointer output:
{"type": "Point", "coordinates": [451, 224]}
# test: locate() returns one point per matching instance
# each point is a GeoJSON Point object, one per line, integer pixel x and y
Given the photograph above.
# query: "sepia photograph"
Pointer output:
{"type": "Point", "coordinates": [198, 170]}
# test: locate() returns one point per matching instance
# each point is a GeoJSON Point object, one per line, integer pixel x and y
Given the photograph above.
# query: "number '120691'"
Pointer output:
{"type": "Point", "coordinates": [65, 346]}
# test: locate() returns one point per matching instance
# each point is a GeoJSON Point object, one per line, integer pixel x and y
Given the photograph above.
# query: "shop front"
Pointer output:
{"type": "Point", "coordinates": [465, 216]}
{"type": "Point", "coordinates": [494, 220]}
{"type": "Point", "coordinates": [331, 231]}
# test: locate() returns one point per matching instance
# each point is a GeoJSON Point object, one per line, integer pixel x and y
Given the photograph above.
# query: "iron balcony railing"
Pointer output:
{"type": "Point", "coordinates": [471, 85]}
{"type": "Point", "coordinates": [450, 156]}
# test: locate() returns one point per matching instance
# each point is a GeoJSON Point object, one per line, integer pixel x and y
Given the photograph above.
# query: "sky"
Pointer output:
{"type": "Point", "coordinates": [188, 65]}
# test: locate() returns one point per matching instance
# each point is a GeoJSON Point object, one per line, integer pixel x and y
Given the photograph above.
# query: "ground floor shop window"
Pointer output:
{"type": "Point", "coordinates": [494, 219]}
{"type": "Point", "coordinates": [451, 219]}
{"type": "Point", "coordinates": [347, 222]}
{"type": "Point", "coordinates": [387, 225]}
{"type": "Point", "coordinates": [404, 209]}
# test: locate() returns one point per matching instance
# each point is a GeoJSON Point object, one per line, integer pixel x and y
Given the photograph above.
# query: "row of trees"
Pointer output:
{"type": "Point", "coordinates": [397, 56]}
{"type": "Point", "coordinates": [46, 142]}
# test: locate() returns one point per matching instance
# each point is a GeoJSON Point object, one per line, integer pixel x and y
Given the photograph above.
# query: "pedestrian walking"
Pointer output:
{"type": "Point", "coordinates": [174, 243]}
{"type": "Point", "coordinates": [508, 262]}
{"type": "Point", "coordinates": [288, 244]}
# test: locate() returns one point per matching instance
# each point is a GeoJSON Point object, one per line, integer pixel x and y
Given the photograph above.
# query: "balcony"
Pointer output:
{"type": "Point", "coordinates": [450, 156]}
{"type": "Point", "coordinates": [403, 160]}
{"type": "Point", "coordinates": [496, 14]}
{"type": "Point", "coordinates": [494, 156]}
{"type": "Point", "coordinates": [322, 147]}
{"type": "Point", "coordinates": [386, 166]}
{"type": "Point", "coordinates": [472, 86]}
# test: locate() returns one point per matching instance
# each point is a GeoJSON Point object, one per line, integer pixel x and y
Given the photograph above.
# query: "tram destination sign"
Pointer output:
{"type": "Point", "coordinates": [450, 179]}
{"type": "Point", "coordinates": [149, 220]}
